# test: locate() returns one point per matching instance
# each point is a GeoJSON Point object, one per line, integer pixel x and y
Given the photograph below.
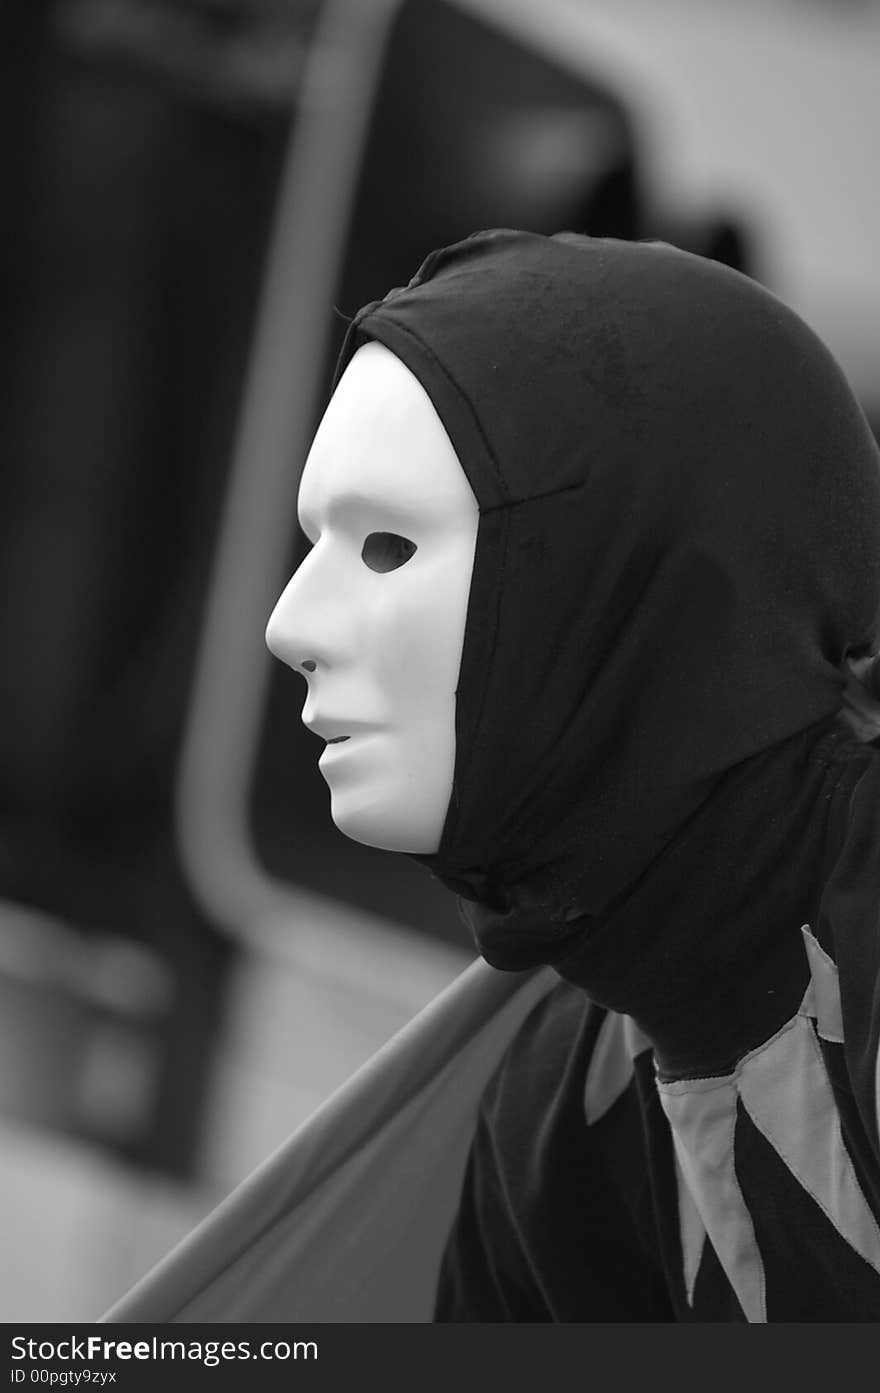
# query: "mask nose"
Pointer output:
{"type": "Point", "coordinates": [290, 632]}
{"type": "Point", "coordinates": [309, 628]}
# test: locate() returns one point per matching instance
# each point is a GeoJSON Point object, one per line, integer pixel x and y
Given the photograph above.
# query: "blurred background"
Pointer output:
{"type": "Point", "coordinates": [197, 193]}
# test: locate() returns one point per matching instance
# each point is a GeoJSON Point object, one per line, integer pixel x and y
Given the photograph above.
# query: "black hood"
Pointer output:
{"type": "Point", "coordinates": [679, 542]}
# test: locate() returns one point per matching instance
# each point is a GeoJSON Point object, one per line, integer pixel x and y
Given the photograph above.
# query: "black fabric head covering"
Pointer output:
{"type": "Point", "coordinates": [679, 541]}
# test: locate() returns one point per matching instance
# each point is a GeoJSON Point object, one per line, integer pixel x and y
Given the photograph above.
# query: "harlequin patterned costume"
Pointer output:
{"type": "Point", "coordinates": [602, 1188]}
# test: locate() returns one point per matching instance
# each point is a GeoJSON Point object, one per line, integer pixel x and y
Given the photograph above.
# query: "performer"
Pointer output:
{"type": "Point", "coordinates": [589, 626]}
{"type": "Point", "coordinates": [649, 489]}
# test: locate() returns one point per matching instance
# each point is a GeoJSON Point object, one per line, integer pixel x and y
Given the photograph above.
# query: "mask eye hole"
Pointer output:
{"type": "Point", "coordinates": [386, 551]}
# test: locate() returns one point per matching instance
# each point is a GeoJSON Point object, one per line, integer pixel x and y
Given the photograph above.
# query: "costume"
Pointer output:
{"type": "Point", "coordinates": [654, 801]}
{"type": "Point", "coordinates": [678, 548]}
{"type": "Point", "coordinates": [602, 1187]}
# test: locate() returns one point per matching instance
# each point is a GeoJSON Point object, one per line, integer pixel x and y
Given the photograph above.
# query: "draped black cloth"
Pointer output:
{"type": "Point", "coordinates": [679, 543]}
{"type": "Point", "coordinates": [679, 546]}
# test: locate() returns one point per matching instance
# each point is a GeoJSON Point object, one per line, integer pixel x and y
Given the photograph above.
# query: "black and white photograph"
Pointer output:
{"type": "Point", "coordinates": [440, 716]}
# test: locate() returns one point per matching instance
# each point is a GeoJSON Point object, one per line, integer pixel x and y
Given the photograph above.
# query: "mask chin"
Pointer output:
{"type": "Point", "coordinates": [390, 818]}
{"type": "Point", "coordinates": [391, 788]}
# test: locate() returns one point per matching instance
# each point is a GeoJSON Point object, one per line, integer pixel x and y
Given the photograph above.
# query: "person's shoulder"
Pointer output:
{"type": "Point", "coordinates": [547, 1061]}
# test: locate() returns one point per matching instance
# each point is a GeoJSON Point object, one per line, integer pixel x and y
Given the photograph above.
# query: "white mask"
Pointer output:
{"type": "Point", "coordinates": [375, 615]}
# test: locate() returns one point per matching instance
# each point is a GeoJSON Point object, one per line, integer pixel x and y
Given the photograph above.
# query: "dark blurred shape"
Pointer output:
{"type": "Point", "coordinates": [137, 210]}
{"type": "Point", "coordinates": [142, 147]}
{"type": "Point", "coordinates": [239, 55]}
{"type": "Point", "coordinates": [79, 1019]}
{"type": "Point", "coordinates": [471, 129]}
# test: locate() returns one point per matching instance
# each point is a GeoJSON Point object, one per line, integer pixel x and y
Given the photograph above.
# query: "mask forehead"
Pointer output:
{"type": "Point", "coordinates": [382, 451]}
